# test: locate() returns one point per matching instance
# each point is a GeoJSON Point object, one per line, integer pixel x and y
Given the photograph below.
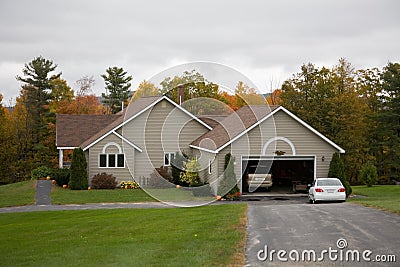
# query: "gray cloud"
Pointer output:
{"type": "Point", "coordinates": [263, 39]}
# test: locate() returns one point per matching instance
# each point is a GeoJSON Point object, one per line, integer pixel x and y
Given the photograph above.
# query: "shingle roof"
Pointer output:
{"type": "Point", "coordinates": [73, 129]}
{"type": "Point", "coordinates": [133, 109]}
{"type": "Point", "coordinates": [232, 126]}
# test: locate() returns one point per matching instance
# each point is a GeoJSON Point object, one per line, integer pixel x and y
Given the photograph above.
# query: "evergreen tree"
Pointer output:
{"type": "Point", "coordinates": [337, 170]}
{"type": "Point", "coordinates": [228, 184]}
{"type": "Point", "coordinates": [78, 170]}
{"type": "Point", "coordinates": [117, 88]}
{"type": "Point", "coordinates": [368, 174]}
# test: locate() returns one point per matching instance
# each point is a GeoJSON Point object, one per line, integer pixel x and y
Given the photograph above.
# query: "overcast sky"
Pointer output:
{"type": "Point", "coordinates": [265, 40]}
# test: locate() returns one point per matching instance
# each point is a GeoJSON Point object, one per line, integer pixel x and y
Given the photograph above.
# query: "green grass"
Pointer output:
{"type": "Point", "coordinates": [202, 236]}
{"type": "Point", "coordinates": [385, 197]}
{"type": "Point", "coordinates": [23, 193]}
{"type": "Point", "coordinates": [17, 194]}
{"type": "Point", "coordinates": [65, 196]}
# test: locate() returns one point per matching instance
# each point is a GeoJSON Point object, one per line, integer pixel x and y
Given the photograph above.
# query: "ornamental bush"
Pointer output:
{"type": "Point", "coordinates": [41, 172]}
{"type": "Point", "coordinates": [61, 176]}
{"type": "Point", "coordinates": [369, 174]}
{"type": "Point", "coordinates": [337, 170]}
{"type": "Point", "coordinates": [104, 181]}
{"type": "Point", "coordinates": [78, 179]}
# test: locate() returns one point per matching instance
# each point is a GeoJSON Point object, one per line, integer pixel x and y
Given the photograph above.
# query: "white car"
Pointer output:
{"type": "Point", "coordinates": [326, 189]}
{"type": "Point", "coordinates": [259, 181]}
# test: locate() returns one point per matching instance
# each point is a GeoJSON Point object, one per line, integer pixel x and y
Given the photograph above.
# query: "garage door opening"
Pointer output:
{"type": "Point", "coordinates": [288, 174]}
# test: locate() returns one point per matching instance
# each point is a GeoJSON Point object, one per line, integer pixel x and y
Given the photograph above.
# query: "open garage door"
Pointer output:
{"type": "Point", "coordinates": [289, 173]}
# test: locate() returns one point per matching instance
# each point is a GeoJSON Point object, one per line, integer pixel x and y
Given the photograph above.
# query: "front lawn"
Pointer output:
{"type": "Point", "coordinates": [17, 194]}
{"type": "Point", "coordinates": [23, 193]}
{"type": "Point", "coordinates": [385, 197]}
{"type": "Point", "coordinates": [202, 236]}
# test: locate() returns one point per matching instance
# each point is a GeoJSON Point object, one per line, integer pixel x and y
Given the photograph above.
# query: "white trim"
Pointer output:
{"type": "Point", "coordinates": [247, 130]}
{"type": "Point", "coordinates": [67, 147]}
{"type": "Point", "coordinates": [204, 149]}
{"type": "Point", "coordinates": [111, 144]}
{"type": "Point", "coordinates": [108, 162]}
{"type": "Point", "coordinates": [341, 150]}
{"type": "Point", "coordinates": [209, 166]}
{"type": "Point", "coordinates": [140, 113]}
{"type": "Point", "coordinates": [169, 158]}
{"type": "Point", "coordinates": [279, 138]}
{"type": "Point", "coordinates": [129, 142]}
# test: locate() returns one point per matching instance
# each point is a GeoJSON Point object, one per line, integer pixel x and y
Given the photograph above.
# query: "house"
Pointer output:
{"type": "Point", "coordinates": [147, 135]}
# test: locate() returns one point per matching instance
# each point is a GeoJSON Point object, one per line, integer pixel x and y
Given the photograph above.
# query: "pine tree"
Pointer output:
{"type": "Point", "coordinates": [79, 178]}
{"type": "Point", "coordinates": [36, 94]}
{"type": "Point", "coordinates": [117, 88]}
{"type": "Point", "coordinates": [337, 170]}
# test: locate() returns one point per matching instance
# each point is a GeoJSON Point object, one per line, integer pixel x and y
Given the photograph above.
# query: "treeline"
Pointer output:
{"type": "Point", "coordinates": [357, 109]}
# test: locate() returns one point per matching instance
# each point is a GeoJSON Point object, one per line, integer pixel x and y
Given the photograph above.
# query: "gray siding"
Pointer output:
{"type": "Point", "coordinates": [122, 174]}
{"type": "Point", "coordinates": [305, 142]}
{"type": "Point", "coordinates": [160, 129]}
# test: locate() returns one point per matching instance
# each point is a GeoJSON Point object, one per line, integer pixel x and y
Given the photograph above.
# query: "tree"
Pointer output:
{"type": "Point", "coordinates": [228, 185]}
{"type": "Point", "coordinates": [337, 170]}
{"type": "Point", "coordinates": [117, 88]}
{"type": "Point", "coordinates": [386, 142]}
{"type": "Point", "coordinates": [178, 163]}
{"type": "Point", "coordinates": [145, 89]}
{"type": "Point", "coordinates": [78, 170]}
{"type": "Point", "coordinates": [246, 95]}
{"type": "Point", "coordinates": [369, 174]}
{"type": "Point", "coordinates": [36, 96]}
{"type": "Point", "coordinates": [85, 85]}
{"type": "Point", "coordinates": [191, 173]}
{"type": "Point", "coordinates": [329, 100]}
{"type": "Point", "coordinates": [7, 149]}
{"type": "Point", "coordinates": [60, 94]}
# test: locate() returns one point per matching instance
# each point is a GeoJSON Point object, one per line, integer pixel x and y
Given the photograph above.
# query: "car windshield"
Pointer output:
{"type": "Point", "coordinates": [329, 182]}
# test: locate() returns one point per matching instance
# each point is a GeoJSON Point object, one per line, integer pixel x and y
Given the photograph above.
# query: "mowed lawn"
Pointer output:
{"type": "Point", "coordinates": [23, 193]}
{"type": "Point", "coordinates": [201, 236]}
{"type": "Point", "coordinates": [385, 197]}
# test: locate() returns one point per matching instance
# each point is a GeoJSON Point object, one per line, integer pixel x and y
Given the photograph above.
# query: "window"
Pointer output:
{"type": "Point", "coordinates": [112, 161]}
{"type": "Point", "coordinates": [209, 166]}
{"type": "Point", "coordinates": [103, 160]}
{"type": "Point", "coordinates": [168, 157]}
{"type": "Point", "coordinates": [120, 160]}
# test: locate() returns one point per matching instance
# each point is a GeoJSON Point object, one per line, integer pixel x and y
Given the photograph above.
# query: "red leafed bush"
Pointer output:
{"type": "Point", "coordinates": [104, 181]}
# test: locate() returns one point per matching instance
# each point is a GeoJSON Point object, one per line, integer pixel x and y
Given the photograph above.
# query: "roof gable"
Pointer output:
{"type": "Point", "coordinates": [237, 125]}
{"type": "Point", "coordinates": [140, 107]}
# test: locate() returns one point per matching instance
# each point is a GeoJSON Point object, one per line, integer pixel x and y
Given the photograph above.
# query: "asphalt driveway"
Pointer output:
{"type": "Point", "coordinates": [334, 232]}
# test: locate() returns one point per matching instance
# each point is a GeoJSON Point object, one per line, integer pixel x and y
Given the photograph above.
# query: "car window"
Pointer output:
{"type": "Point", "coordinates": [329, 183]}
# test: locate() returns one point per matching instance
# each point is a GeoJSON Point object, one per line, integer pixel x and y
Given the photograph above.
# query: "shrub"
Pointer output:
{"type": "Point", "coordinates": [61, 176]}
{"type": "Point", "coordinates": [336, 170]}
{"type": "Point", "coordinates": [228, 185]}
{"type": "Point", "coordinates": [104, 181]}
{"type": "Point", "coordinates": [369, 174]}
{"type": "Point", "coordinates": [191, 174]}
{"type": "Point", "coordinates": [41, 172]}
{"type": "Point", "coordinates": [129, 185]}
{"type": "Point", "coordinates": [78, 179]}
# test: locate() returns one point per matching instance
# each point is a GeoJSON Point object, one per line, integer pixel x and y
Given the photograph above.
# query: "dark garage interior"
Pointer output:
{"type": "Point", "coordinates": [289, 174]}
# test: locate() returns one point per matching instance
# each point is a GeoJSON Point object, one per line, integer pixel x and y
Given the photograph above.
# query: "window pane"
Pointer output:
{"type": "Point", "coordinates": [166, 159]}
{"type": "Point", "coordinates": [111, 160]}
{"type": "Point", "coordinates": [103, 160]}
{"type": "Point", "coordinates": [121, 160]}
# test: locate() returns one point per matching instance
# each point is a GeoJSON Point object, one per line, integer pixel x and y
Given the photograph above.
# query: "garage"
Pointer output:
{"type": "Point", "coordinates": [285, 174]}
